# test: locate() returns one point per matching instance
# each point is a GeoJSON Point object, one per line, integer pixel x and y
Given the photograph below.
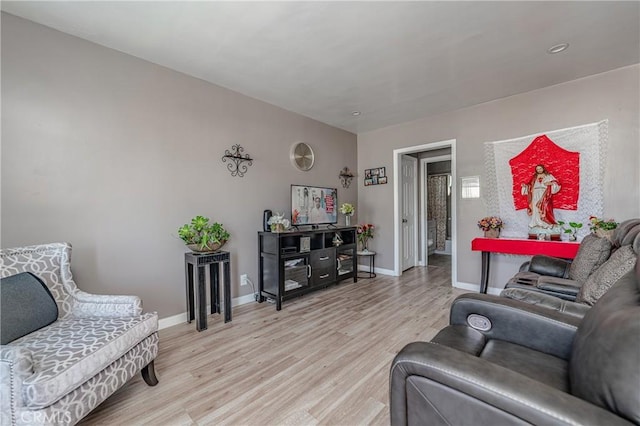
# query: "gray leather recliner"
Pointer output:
{"type": "Point", "coordinates": [502, 361]}
{"type": "Point", "coordinates": [595, 284]}
{"type": "Point", "coordinates": [564, 278]}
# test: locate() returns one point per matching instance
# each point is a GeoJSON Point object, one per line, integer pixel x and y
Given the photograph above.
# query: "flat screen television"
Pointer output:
{"type": "Point", "coordinates": [313, 205]}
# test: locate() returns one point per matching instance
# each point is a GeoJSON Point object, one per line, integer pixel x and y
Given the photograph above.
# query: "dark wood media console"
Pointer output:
{"type": "Point", "coordinates": [294, 263]}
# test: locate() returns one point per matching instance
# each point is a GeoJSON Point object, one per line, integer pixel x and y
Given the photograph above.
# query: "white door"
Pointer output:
{"type": "Point", "coordinates": [409, 204]}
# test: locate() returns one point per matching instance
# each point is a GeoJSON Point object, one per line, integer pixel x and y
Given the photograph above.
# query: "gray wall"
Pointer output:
{"type": "Point", "coordinates": [613, 95]}
{"type": "Point", "coordinates": [113, 154]}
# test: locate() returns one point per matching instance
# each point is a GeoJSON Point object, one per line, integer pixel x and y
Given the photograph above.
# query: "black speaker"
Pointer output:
{"type": "Point", "coordinates": [265, 218]}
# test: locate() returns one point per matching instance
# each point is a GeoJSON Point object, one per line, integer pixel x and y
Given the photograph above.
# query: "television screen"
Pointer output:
{"type": "Point", "coordinates": [312, 205]}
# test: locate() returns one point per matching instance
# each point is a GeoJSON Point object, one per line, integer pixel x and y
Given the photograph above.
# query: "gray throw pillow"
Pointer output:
{"type": "Point", "coordinates": [593, 252]}
{"type": "Point", "coordinates": [26, 306]}
{"type": "Point", "coordinates": [621, 262]}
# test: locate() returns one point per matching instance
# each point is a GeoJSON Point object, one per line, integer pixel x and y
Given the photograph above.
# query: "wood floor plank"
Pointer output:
{"type": "Point", "coordinates": [322, 360]}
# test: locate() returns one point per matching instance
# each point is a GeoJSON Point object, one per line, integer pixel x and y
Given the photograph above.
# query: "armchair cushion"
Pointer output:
{"type": "Point", "coordinates": [593, 252]}
{"type": "Point", "coordinates": [545, 368]}
{"type": "Point", "coordinates": [72, 350]}
{"type": "Point", "coordinates": [26, 306]}
{"type": "Point", "coordinates": [620, 262]}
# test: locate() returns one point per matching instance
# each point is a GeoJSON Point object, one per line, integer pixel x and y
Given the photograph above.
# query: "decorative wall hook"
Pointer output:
{"type": "Point", "coordinates": [237, 165]}
{"type": "Point", "coordinates": [345, 177]}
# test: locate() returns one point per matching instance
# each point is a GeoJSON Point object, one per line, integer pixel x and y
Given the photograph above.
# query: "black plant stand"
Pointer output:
{"type": "Point", "coordinates": [372, 264]}
{"type": "Point", "coordinates": [197, 294]}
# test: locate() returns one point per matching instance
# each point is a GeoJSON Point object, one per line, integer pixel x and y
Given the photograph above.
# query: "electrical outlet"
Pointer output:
{"type": "Point", "coordinates": [244, 280]}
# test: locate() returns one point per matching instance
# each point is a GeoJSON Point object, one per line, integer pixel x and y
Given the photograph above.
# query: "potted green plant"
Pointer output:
{"type": "Point", "coordinates": [200, 236]}
{"type": "Point", "coordinates": [572, 229]}
{"type": "Point", "coordinates": [601, 227]}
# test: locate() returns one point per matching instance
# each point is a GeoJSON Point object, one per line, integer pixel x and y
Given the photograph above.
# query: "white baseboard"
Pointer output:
{"type": "Point", "coordinates": [381, 271]}
{"type": "Point", "coordinates": [180, 318]}
{"type": "Point", "coordinates": [172, 320]}
{"type": "Point", "coordinates": [243, 300]}
{"type": "Point", "coordinates": [476, 288]}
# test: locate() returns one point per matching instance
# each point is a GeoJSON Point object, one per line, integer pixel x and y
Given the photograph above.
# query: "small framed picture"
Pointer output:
{"type": "Point", "coordinates": [375, 176]}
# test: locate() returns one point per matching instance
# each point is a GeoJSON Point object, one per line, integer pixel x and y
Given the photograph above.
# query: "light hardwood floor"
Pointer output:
{"type": "Point", "coordinates": [323, 359]}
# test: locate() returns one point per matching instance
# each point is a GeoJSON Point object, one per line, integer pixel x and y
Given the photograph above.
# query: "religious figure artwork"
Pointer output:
{"type": "Point", "coordinates": [574, 156]}
{"type": "Point", "coordinates": [539, 192]}
{"type": "Point", "coordinates": [554, 184]}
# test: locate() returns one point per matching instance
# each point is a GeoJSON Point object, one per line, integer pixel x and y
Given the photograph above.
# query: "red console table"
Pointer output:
{"type": "Point", "coordinates": [564, 249]}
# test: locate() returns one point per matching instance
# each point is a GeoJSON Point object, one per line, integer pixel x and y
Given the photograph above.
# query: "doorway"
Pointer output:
{"type": "Point", "coordinates": [399, 204]}
{"type": "Point", "coordinates": [435, 207]}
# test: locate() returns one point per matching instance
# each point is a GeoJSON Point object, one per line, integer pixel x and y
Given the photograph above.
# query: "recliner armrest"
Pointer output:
{"type": "Point", "coordinates": [476, 384]}
{"type": "Point", "coordinates": [550, 266]}
{"type": "Point", "coordinates": [547, 301]}
{"type": "Point", "coordinates": [518, 322]}
{"type": "Point", "coordinates": [555, 285]}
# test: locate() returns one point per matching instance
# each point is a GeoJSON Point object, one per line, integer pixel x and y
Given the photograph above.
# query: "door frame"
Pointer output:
{"type": "Point", "coordinates": [423, 203]}
{"type": "Point", "coordinates": [397, 220]}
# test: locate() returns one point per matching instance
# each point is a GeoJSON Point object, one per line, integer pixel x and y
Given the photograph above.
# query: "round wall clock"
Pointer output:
{"type": "Point", "coordinates": [302, 156]}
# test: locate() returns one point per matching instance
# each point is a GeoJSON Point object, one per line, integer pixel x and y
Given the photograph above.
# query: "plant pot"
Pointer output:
{"type": "Point", "coordinates": [604, 233]}
{"type": "Point", "coordinates": [492, 233]}
{"type": "Point", "coordinates": [210, 248]}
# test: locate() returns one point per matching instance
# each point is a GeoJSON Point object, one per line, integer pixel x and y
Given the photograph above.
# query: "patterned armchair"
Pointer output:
{"type": "Point", "coordinates": [59, 373]}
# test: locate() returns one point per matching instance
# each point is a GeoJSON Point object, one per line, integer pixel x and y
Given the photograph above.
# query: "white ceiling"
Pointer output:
{"type": "Point", "coordinates": [394, 61]}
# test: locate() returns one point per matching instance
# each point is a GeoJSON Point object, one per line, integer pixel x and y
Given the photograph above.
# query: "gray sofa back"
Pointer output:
{"type": "Point", "coordinates": [605, 360]}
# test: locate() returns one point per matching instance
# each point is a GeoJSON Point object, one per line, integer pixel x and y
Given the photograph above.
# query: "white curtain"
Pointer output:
{"type": "Point", "coordinates": [437, 188]}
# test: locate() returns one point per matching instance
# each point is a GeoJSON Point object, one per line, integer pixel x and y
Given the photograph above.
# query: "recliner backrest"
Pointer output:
{"type": "Point", "coordinates": [593, 252]}
{"type": "Point", "coordinates": [626, 232]}
{"type": "Point", "coordinates": [604, 367]}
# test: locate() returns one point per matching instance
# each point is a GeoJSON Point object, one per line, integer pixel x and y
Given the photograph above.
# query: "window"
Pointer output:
{"type": "Point", "coordinates": [470, 187]}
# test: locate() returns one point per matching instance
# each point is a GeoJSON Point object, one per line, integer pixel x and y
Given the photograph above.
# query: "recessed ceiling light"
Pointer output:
{"type": "Point", "coordinates": [558, 48]}
{"type": "Point", "coordinates": [355, 113]}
